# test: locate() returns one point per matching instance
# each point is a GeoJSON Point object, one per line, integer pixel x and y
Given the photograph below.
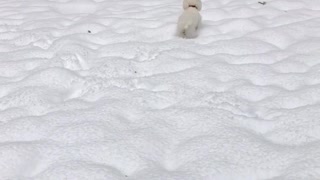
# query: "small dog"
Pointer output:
{"type": "Point", "coordinates": [190, 19]}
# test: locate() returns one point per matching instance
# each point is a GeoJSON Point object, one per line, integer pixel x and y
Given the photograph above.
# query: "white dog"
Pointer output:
{"type": "Point", "coordinates": [190, 19]}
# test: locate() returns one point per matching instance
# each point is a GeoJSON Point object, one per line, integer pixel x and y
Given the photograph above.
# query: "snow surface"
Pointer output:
{"type": "Point", "coordinates": [102, 89]}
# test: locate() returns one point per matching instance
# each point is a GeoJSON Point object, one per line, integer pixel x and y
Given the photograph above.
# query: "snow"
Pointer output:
{"type": "Point", "coordinates": [96, 90]}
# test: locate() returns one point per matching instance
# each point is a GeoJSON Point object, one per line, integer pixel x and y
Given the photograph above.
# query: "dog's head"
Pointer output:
{"type": "Point", "coordinates": [192, 3]}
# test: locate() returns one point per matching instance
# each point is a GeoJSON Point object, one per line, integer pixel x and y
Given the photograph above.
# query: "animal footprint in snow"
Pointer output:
{"type": "Point", "coordinates": [146, 54]}
{"type": "Point", "coordinates": [228, 102]}
{"type": "Point", "coordinates": [74, 57]}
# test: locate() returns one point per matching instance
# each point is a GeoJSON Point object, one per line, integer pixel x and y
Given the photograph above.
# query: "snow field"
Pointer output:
{"type": "Point", "coordinates": [95, 90]}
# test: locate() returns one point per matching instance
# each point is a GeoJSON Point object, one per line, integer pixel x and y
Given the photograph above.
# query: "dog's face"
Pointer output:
{"type": "Point", "coordinates": [192, 3]}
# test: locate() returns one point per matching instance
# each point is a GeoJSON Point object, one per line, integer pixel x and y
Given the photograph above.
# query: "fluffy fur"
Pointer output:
{"type": "Point", "coordinates": [190, 19]}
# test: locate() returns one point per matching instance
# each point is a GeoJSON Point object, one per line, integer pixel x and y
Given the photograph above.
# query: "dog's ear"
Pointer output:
{"type": "Point", "coordinates": [185, 4]}
{"type": "Point", "coordinates": [199, 5]}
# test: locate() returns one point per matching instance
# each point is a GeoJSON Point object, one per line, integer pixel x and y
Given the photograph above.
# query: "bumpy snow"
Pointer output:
{"type": "Point", "coordinates": [104, 90]}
